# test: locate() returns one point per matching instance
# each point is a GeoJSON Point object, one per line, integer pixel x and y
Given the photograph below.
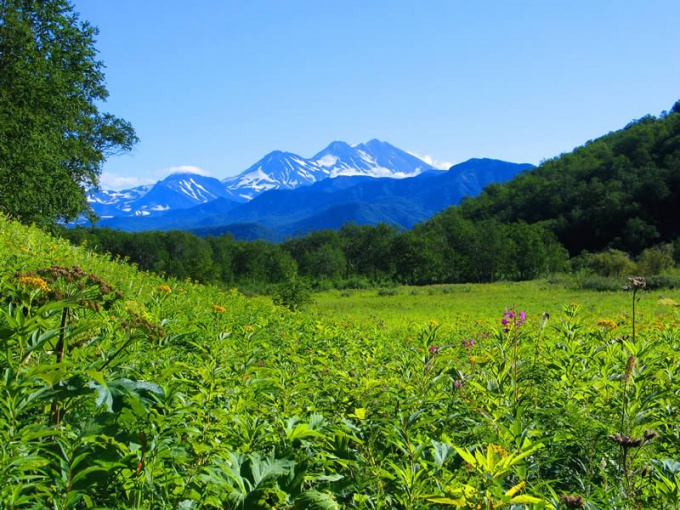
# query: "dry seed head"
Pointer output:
{"type": "Point", "coordinates": [625, 441]}
{"type": "Point", "coordinates": [572, 501]}
{"type": "Point", "coordinates": [650, 434]}
{"type": "Point", "coordinates": [630, 366]}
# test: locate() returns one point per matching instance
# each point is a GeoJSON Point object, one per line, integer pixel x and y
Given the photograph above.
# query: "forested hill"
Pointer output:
{"type": "Point", "coordinates": [619, 191]}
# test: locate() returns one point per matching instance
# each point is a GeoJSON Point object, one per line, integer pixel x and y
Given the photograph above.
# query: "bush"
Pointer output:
{"type": "Point", "coordinates": [612, 263]}
{"type": "Point", "coordinates": [654, 261]}
{"type": "Point", "coordinates": [293, 294]}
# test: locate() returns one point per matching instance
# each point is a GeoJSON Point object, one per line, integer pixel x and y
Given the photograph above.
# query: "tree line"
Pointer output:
{"type": "Point", "coordinates": [446, 249]}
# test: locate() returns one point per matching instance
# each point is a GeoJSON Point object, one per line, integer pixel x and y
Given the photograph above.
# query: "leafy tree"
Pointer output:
{"type": "Point", "coordinates": [367, 249]}
{"type": "Point", "coordinates": [53, 138]}
{"type": "Point", "coordinates": [319, 255]}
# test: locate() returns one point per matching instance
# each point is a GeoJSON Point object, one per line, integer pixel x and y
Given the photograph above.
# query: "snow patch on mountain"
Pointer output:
{"type": "Point", "coordinates": [283, 170]}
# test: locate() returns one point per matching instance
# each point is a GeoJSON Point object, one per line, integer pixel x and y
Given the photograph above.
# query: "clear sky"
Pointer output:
{"type": "Point", "coordinates": [217, 84]}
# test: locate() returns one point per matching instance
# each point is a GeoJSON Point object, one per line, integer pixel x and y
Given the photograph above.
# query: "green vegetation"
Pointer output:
{"type": "Point", "coordinates": [124, 390]}
{"type": "Point", "coordinates": [620, 191]}
{"type": "Point", "coordinates": [53, 138]}
{"type": "Point", "coordinates": [121, 389]}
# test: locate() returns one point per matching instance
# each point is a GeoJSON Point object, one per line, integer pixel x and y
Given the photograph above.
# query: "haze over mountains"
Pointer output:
{"type": "Point", "coordinates": [286, 194]}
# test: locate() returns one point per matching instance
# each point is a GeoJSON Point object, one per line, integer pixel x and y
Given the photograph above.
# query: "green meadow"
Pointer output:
{"type": "Point", "coordinates": [121, 389]}
{"type": "Point", "coordinates": [410, 307]}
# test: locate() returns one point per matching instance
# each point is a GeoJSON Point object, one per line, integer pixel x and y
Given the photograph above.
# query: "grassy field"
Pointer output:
{"type": "Point", "coordinates": [406, 308]}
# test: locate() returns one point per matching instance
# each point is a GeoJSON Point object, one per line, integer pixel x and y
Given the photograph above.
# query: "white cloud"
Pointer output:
{"type": "Point", "coordinates": [111, 181]}
{"type": "Point", "coordinates": [118, 182]}
{"type": "Point", "coordinates": [183, 169]}
{"type": "Point", "coordinates": [440, 164]}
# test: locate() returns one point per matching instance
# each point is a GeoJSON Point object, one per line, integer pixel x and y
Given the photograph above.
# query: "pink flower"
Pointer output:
{"type": "Point", "coordinates": [510, 320]}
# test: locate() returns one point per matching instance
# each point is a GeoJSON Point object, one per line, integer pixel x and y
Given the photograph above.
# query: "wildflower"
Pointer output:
{"type": "Point", "coordinates": [457, 384]}
{"type": "Point", "coordinates": [219, 309]}
{"type": "Point", "coordinates": [248, 327]}
{"type": "Point", "coordinates": [34, 281]}
{"type": "Point", "coordinates": [468, 343]}
{"type": "Point", "coordinates": [433, 349]}
{"type": "Point", "coordinates": [499, 450]}
{"type": "Point", "coordinates": [608, 324]}
{"type": "Point", "coordinates": [434, 323]}
{"type": "Point", "coordinates": [510, 319]}
{"type": "Point", "coordinates": [164, 288]}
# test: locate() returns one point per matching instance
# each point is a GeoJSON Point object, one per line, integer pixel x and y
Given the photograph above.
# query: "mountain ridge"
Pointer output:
{"type": "Point", "coordinates": [362, 199]}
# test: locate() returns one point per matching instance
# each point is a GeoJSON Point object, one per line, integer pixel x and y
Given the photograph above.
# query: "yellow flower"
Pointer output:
{"type": "Point", "coordinates": [219, 309]}
{"type": "Point", "coordinates": [34, 281]}
{"type": "Point", "coordinates": [499, 450]}
{"type": "Point", "coordinates": [164, 288]}
{"type": "Point", "coordinates": [434, 323]}
{"type": "Point", "coordinates": [607, 324]}
{"type": "Point", "coordinates": [248, 327]}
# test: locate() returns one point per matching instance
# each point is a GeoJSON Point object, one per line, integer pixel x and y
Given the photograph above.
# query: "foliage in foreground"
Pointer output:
{"type": "Point", "coordinates": [121, 390]}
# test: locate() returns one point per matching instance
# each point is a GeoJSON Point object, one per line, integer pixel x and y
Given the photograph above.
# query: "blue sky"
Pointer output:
{"type": "Point", "coordinates": [214, 85]}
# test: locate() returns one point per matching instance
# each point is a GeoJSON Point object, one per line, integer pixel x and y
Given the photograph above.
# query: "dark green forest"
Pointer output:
{"type": "Point", "coordinates": [447, 249]}
{"type": "Point", "coordinates": [621, 191]}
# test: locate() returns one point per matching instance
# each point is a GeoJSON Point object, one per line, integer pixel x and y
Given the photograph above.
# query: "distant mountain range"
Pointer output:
{"type": "Point", "coordinates": [285, 194]}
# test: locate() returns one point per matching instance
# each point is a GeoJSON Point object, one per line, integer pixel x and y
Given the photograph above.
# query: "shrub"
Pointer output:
{"type": "Point", "coordinates": [294, 293]}
{"type": "Point", "coordinates": [610, 263]}
{"type": "Point", "coordinates": [654, 261]}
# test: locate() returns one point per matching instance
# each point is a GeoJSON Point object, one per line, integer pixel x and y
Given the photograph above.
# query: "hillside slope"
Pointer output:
{"type": "Point", "coordinates": [621, 190]}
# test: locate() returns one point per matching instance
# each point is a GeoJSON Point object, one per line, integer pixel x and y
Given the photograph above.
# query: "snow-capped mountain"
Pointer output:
{"type": "Point", "coordinates": [283, 170]}
{"type": "Point", "coordinates": [277, 170]}
{"type": "Point", "coordinates": [177, 191]}
{"type": "Point", "coordinates": [107, 203]}
{"type": "Point", "coordinates": [373, 158]}
{"type": "Point", "coordinates": [180, 191]}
